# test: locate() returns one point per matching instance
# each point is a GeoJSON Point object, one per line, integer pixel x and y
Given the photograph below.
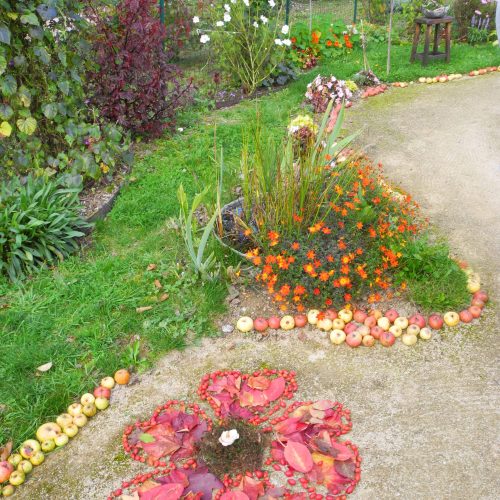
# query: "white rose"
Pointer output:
{"type": "Point", "coordinates": [227, 438]}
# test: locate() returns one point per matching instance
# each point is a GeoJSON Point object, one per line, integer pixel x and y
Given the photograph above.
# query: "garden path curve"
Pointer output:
{"type": "Point", "coordinates": [425, 418]}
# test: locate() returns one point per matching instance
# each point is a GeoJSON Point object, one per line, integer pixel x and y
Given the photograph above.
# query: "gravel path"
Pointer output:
{"type": "Point", "coordinates": [425, 418]}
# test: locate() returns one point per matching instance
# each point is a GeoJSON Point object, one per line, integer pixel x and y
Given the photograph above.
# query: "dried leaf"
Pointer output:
{"type": "Point", "coordinates": [158, 285]}
{"type": "Point", "coordinates": [45, 367]}
{"type": "Point", "coordinates": [164, 297]}
{"type": "Point", "coordinates": [151, 267]}
{"type": "Point", "coordinates": [143, 309]}
{"type": "Point", "coordinates": [5, 451]}
{"type": "Point", "coordinates": [260, 382]}
{"type": "Point", "coordinates": [298, 456]}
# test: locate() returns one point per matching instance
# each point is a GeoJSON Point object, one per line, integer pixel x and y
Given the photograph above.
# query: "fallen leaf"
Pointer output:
{"type": "Point", "coordinates": [45, 367]}
{"type": "Point", "coordinates": [5, 451]}
{"type": "Point", "coordinates": [164, 492]}
{"type": "Point", "coordinates": [146, 438]}
{"type": "Point", "coordinates": [158, 284]}
{"type": "Point", "coordinates": [151, 267]}
{"type": "Point", "coordinates": [143, 309]}
{"type": "Point", "coordinates": [164, 297]}
{"type": "Point", "coordinates": [298, 456]}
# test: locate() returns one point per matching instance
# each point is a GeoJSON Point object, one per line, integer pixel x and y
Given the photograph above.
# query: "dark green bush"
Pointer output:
{"type": "Point", "coordinates": [39, 225]}
{"type": "Point", "coordinates": [45, 125]}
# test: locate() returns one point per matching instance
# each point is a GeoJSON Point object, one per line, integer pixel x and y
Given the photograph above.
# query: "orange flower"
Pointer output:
{"type": "Point", "coordinates": [347, 297]}
{"type": "Point", "coordinates": [341, 245]}
{"type": "Point", "coordinates": [257, 261]}
{"type": "Point", "coordinates": [295, 246]}
{"type": "Point", "coordinates": [329, 43]}
{"type": "Point", "coordinates": [359, 225]}
{"type": "Point", "coordinates": [247, 232]}
{"type": "Point", "coordinates": [308, 268]}
{"type": "Point", "coordinates": [317, 291]}
{"type": "Point", "coordinates": [297, 218]}
{"type": "Point", "coordinates": [299, 290]}
{"type": "Point", "coordinates": [311, 255]}
{"type": "Point", "coordinates": [270, 259]}
{"type": "Point", "coordinates": [328, 302]}
{"type": "Point", "coordinates": [285, 290]}
{"type": "Point", "coordinates": [344, 281]}
{"type": "Point", "coordinates": [330, 258]}
{"type": "Point", "coordinates": [326, 230]}
{"type": "Point", "coordinates": [338, 190]}
{"type": "Point", "coordinates": [323, 276]}
{"type": "Point", "coordinates": [315, 37]}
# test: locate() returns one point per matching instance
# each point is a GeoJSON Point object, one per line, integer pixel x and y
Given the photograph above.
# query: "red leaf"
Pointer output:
{"type": "Point", "coordinates": [164, 492]}
{"type": "Point", "coordinates": [252, 397]}
{"type": "Point", "coordinates": [276, 389]}
{"type": "Point", "coordinates": [261, 382]}
{"type": "Point", "coordinates": [298, 456]}
{"type": "Point", "coordinates": [234, 495]}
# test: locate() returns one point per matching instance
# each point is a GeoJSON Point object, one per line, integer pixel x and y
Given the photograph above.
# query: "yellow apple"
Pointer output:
{"type": "Point", "coordinates": [80, 420]}
{"type": "Point", "coordinates": [312, 316]}
{"type": "Point", "coordinates": [87, 399]}
{"type": "Point", "coordinates": [287, 322]}
{"type": "Point", "coordinates": [451, 318]}
{"type": "Point", "coordinates": [108, 382]}
{"type": "Point", "coordinates": [25, 466]}
{"type": "Point", "coordinates": [15, 459]}
{"type": "Point", "coordinates": [325, 324]}
{"type": "Point", "coordinates": [64, 419]}
{"type": "Point", "coordinates": [8, 490]}
{"type": "Point", "coordinates": [337, 337]}
{"type": "Point", "coordinates": [245, 324]}
{"type": "Point", "coordinates": [396, 330]}
{"type": "Point", "coordinates": [384, 323]}
{"type": "Point", "coordinates": [29, 447]}
{"type": "Point", "coordinates": [402, 322]}
{"type": "Point", "coordinates": [48, 445]}
{"type": "Point", "coordinates": [71, 430]}
{"type": "Point", "coordinates": [89, 410]}
{"type": "Point", "coordinates": [426, 333]}
{"type": "Point", "coordinates": [48, 431]}
{"type": "Point", "coordinates": [338, 324]}
{"type": "Point", "coordinates": [409, 339]}
{"type": "Point", "coordinates": [37, 458]}
{"type": "Point", "coordinates": [413, 330]}
{"type": "Point", "coordinates": [75, 409]}
{"type": "Point", "coordinates": [101, 403]}
{"type": "Point", "coordinates": [345, 315]}
{"type": "Point", "coordinates": [61, 440]}
{"type": "Point", "coordinates": [17, 478]}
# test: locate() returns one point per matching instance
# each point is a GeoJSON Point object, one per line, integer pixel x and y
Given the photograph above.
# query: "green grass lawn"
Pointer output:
{"type": "Point", "coordinates": [82, 316]}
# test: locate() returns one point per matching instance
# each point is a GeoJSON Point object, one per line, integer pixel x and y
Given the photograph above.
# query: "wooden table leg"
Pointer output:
{"type": "Point", "coordinates": [448, 42]}
{"type": "Point", "coordinates": [425, 58]}
{"type": "Point", "coordinates": [436, 39]}
{"type": "Point", "coordinates": [416, 38]}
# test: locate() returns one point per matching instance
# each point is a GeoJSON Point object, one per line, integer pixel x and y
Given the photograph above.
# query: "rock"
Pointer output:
{"type": "Point", "coordinates": [227, 329]}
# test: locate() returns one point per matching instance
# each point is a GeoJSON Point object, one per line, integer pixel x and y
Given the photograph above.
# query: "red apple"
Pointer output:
{"type": "Point", "coordinates": [300, 320]}
{"type": "Point", "coordinates": [481, 295]}
{"type": "Point", "coordinates": [478, 303]}
{"type": "Point", "coordinates": [354, 339]}
{"type": "Point", "coordinates": [465, 316]}
{"type": "Point", "coordinates": [6, 470]}
{"type": "Point", "coordinates": [359, 316]}
{"type": "Point", "coordinates": [387, 339]}
{"type": "Point", "coordinates": [370, 321]}
{"type": "Point", "coordinates": [417, 319]}
{"type": "Point", "coordinates": [351, 327]}
{"type": "Point", "coordinates": [260, 324]}
{"type": "Point", "coordinates": [331, 314]}
{"type": "Point", "coordinates": [376, 332]}
{"type": "Point", "coordinates": [436, 321]}
{"type": "Point", "coordinates": [274, 322]}
{"type": "Point", "coordinates": [102, 392]}
{"type": "Point", "coordinates": [392, 314]}
{"type": "Point", "coordinates": [475, 311]}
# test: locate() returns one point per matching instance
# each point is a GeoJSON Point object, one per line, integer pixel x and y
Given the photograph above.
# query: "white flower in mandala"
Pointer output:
{"type": "Point", "coordinates": [272, 3]}
{"type": "Point", "coordinates": [285, 29]}
{"type": "Point", "coordinates": [219, 23]}
{"type": "Point", "coordinates": [264, 19]}
{"type": "Point", "coordinates": [196, 19]}
{"type": "Point", "coordinates": [278, 42]}
{"type": "Point", "coordinates": [204, 38]}
{"type": "Point", "coordinates": [227, 438]}
{"type": "Point", "coordinates": [227, 17]}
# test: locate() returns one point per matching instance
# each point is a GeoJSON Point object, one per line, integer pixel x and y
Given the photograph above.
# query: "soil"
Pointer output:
{"type": "Point", "coordinates": [425, 418]}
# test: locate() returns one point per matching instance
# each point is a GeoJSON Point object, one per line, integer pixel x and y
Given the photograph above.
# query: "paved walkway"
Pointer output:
{"type": "Point", "coordinates": [425, 418]}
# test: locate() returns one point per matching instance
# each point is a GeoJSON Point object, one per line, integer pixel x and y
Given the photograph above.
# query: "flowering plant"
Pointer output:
{"type": "Point", "coordinates": [352, 250]}
{"type": "Point", "coordinates": [247, 38]}
{"type": "Point", "coordinates": [324, 89]}
{"type": "Point", "coordinates": [325, 40]}
{"type": "Point", "coordinates": [292, 448]}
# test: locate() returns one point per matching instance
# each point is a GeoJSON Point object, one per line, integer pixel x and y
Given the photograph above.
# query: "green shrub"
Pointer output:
{"type": "Point", "coordinates": [45, 125]}
{"type": "Point", "coordinates": [39, 225]}
{"type": "Point", "coordinates": [434, 280]}
{"type": "Point", "coordinates": [464, 10]}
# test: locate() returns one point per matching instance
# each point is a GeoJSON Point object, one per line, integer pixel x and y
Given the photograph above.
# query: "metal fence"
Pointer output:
{"type": "Point", "coordinates": [306, 10]}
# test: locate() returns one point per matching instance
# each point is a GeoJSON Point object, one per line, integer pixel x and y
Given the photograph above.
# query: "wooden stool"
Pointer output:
{"type": "Point", "coordinates": [435, 54]}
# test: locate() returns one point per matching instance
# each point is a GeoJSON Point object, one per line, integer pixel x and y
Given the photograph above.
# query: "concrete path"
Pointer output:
{"type": "Point", "coordinates": [426, 418]}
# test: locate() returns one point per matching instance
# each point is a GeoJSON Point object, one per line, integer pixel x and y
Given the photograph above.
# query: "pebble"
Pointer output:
{"type": "Point", "coordinates": [227, 328]}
